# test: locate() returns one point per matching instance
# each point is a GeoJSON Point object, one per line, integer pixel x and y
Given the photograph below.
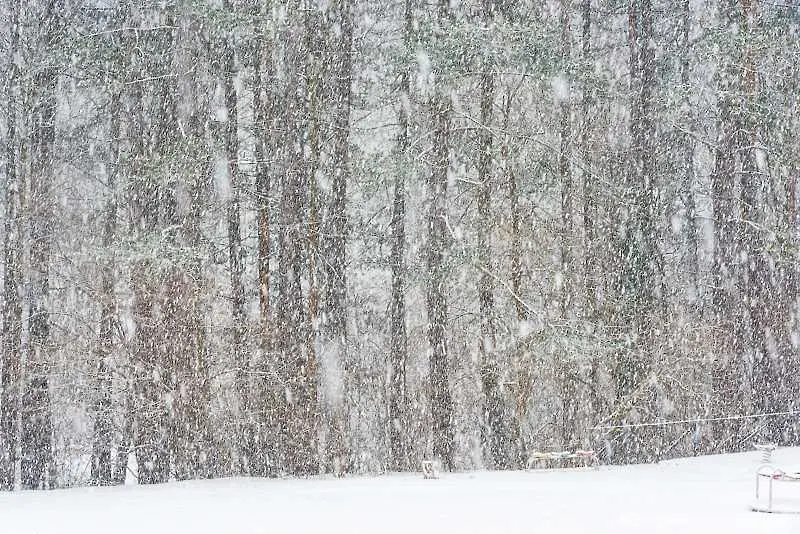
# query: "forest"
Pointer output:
{"type": "Point", "coordinates": [293, 237]}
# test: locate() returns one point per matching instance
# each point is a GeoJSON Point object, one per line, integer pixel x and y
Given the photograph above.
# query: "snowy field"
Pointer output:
{"type": "Point", "coordinates": [700, 495]}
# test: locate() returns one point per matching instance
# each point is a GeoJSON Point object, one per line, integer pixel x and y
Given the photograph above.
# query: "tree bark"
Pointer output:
{"type": "Point", "coordinates": [499, 439]}
{"type": "Point", "coordinates": [639, 255]}
{"type": "Point", "coordinates": [151, 378]}
{"type": "Point", "coordinates": [335, 345]}
{"type": "Point", "coordinates": [236, 252]}
{"type": "Point", "coordinates": [687, 189]}
{"type": "Point", "coordinates": [588, 213]}
{"type": "Point", "coordinates": [103, 422]}
{"type": "Point", "coordinates": [296, 415]}
{"type": "Point", "coordinates": [12, 275]}
{"type": "Point", "coordinates": [438, 241]}
{"type": "Point", "coordinates": [265, 109]}
{"type": "Point", "coordinates": [564, 368]}
{"type": "Point", "coordinates": [398, 396]}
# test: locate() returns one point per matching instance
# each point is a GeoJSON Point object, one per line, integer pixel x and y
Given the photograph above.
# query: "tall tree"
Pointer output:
{"type": "Point", "coordinates": [687, 185]}
{"type": "Point", "coordinates": [500, 439]}
{"type": "Point", "coordinates": [565, 371]}
{"type": "Point", "coordinates": [297, 414]}
{"type": "Point", "coordinates": [235, 249]}
{"type": "Point", "coordinates": [191, 443]}
{"type": "Point", "coordinates": [102, 467]}
{"type": "Point", "coordinates": [11, 382]}
{"type": "Point", "coordinates": [639, 255]}
{"type": "Point", "coordinates": [588, 207]}
{"type": "Point", "coordinates": [438, 238]}
{"type": "Point", "coordinates": [398, 336]}
{"type": "Point", "coordinates": [265, 110]}
{"type": "Point", "coordinates": [335, 343]}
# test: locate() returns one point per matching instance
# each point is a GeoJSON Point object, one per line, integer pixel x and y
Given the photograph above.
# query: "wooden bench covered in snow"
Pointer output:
{"type": "Point", "coordinates": [562, 459]}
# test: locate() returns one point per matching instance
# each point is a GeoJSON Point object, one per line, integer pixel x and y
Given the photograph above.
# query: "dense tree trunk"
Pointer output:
{"type": "Point", "coordinates": [588, 213]}
{"type": "Point", "coordinates": [398, 337]}
{"type": "Point", "coordinates": [438, 243]}
{"type": "Point", "coordinates": [640, 263]}
{"type": "Point", "coordinates": [102, 468]}
{"type": "Point", "coordinates": [235, 250]}
{"type": "Point", "coordinates": [334, 358]}
{"type": "Point", "coordinates": [687, 187]}
{"type": "Point", "coordinates": [265, 110]}
{"type": "Point", "coordinates": [297, 414]}
{"type": "Point", "coordinates": [564, 367]}
{"type": "Point", "coordinates": [499, 439]}
{"type": "Point", "coordinates": [151, 378]}
{"type": "Point", "coordinates": [11, 382]}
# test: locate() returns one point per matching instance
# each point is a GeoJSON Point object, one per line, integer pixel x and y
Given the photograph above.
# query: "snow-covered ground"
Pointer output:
{"type": "Point", "coordinates": [698, 495]}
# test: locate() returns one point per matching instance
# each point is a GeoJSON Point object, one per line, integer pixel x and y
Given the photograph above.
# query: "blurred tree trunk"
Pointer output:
{"type": "Point", "coordinates": [640, 282]}
{"type": "Point", "coordinates": [185, 343]}
{"type": "Point", "coordinates": [266, 110]}
{"type": "Point", "coordinates": [315, 31]}
{"type": "Point", "coordinates": [12, 271]}
{"type": "Point", "coordinates": [37, 426]}
{"type": "Point", "coordinates": [739, 268]}
{"type": "Point", "coordinates": [687, 187]}
{"type": "Point", "coordinates": [763, 336]}
{"type": "Point", "coordinates": [398, 394]}
{"type": "Point", "coordinates": [335, 343]}
{"type": "Point", "coordinates": [523, 388]}
{"type": "Point", "coordinates": [516, 213]}
{"type": "Point", "coordinates": [588, 208]}
{"type": "Point", "coordinates": [565, 369]}
{"type": "Point", "coordinates": [297, 414]}
{"type": "Point", "coordinates": [235, 250]}
{"type": "Point", "coordinates": [727, 368]}
{"type": "Point", "coordinates": [104, 416]}
{"type": "Point", "coordinates": [151, 378]}
{"type": "Point", "coordinates": [563, 164]}
{"type": "Point", "coordinates": [500, 441]}
{"type": "Point", "coordinates": [438, 243]}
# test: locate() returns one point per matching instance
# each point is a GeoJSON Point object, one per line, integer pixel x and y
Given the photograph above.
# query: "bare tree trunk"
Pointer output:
{"type": "Point", "coordinates": [152, 453]}
{"type": "Point", "coordinates": [590, 268]}
{"type": "Point", "coordinates": [687, 189]}
{"type": "Point", "coordinates": [192, 444]}
{"type": "Point", "coordinates": [738, 286]}
{"type": "Point", "coordinates": [264, 109]}
{"type": "Point", "coordinates": [516, 215]}
{"type": "Point", "coordinates": [639, 254]}
{"type": "Point", "coordinates": [315, 24]}
{"type": "Point", "coordinates": [297, 414]}
{"type": "Point", "coordinates": [564, 167]}
{"type": "Point", "coordinates": [151, 378]}
{"type": "Point", "coordinates": [12, 276]}
{"type": "Point", "coordinates": [236, 252]}
{"type": "Point", "coordinates": [334, 354]}
{"type": "Point", "coordinates": [757, 275]}
{"type": "Point", "coordinates": [438, 243]}
{"type": "Point", "coordinates": [725, 373]}
{"type": "Point", "coordinates": [564, 368]}
{"type": "Point", "coordinates": [499, 440]}
{"type": "Point", "coordinates": [398, 397]}
{"type": "Point", "coordinates": [266, 146]}
{"type": "Point", "coordinates": [523, 386]}
{"type": "Point", "coordinates": [104, 418]}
